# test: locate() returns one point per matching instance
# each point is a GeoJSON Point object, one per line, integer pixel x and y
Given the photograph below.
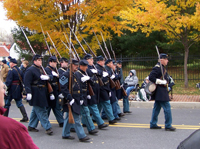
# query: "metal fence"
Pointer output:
{"type": "Point", "coordinates": [144, 64]}
{"type": "Point", "coordinates": [175, 68]}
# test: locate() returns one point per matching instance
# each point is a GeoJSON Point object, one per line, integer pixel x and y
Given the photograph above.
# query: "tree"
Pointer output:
{"type": "Point", "coordinates": [20, 40]}
{"type": "Point", "coordinates": [98, 15]}
{"type": "Point", "coordinates": [178, 18]}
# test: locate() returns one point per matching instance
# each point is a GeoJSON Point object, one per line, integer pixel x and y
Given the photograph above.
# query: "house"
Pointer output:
{"type": "Point", "coordinates": [4, 52]}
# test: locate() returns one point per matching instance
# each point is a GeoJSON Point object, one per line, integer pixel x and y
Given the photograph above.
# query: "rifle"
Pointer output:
{"type": "Point", "coordinates": [69, 50]}
{"type": "Point", "coordinates": [161, 66]}
{"type": "Point", "coordinates": [50, 53]}
{"type": "Point", "coordinates": [94, 55]}
{"type": "Point", "coordinates": [116, 84]}
{"type": "Point", "coordinates": [117, 81]}
{"type": "Point", "coordinates": [48, 84]}
{"type": "Point", "coordinates": [71, 118]}
{"type": "Point", "coordinates": [91, 92]}
{"type": "Point", "coordinates": [71, 43]}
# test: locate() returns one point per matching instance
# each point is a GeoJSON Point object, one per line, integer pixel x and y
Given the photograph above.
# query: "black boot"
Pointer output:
{"type": "Point", "coordinates": [23, 111]}
{"type": "Point", "coordinates": [6, 113]}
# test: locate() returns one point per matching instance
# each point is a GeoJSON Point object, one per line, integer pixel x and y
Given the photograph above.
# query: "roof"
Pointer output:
{"type": "Point", "coordinates": [4, 52]}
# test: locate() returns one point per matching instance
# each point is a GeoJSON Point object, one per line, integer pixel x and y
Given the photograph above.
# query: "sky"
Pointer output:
{"type": "Point", "coordinates": [5, 24]}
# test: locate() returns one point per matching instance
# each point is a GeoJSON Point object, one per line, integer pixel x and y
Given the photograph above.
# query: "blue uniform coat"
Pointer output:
{"type": "Point", "coordinates": [13, 83]}
{"type": "Point", "coordinates": [33, 85]}
{"type": "Point", "coordinates": [95, 86]}
{"type": "Point", "coordinates": [161, 93]}
{"type": "Point", "coordinates": [105, 89]}
{"type": "Point", "coordinates": [76, 94]}
{"type": "Point", "coordinates": [54, 84]}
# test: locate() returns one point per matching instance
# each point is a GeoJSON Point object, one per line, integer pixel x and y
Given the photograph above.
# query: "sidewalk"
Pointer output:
{"type": "Point", "coordinates": [178, 101]}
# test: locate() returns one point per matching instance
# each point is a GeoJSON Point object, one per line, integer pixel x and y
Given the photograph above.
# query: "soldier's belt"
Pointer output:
{"type": "Point", "coordinates": [38, 86]}
{"type": "Point", "coordinates": [85, 90]}
{"type": "Point", "coordinates": [54, 84]}
{"type": "Point", "coordinates": [96, 82]}
{"type": "Point", "coordinates": [15, 82]}
{"type": "Point", "coordinates": [76, 92]}
{"type": "Point", "coordinates": [106, 82]}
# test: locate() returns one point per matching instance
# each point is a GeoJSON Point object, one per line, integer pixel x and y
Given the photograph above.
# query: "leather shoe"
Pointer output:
{"type": "Point", "coordinates": [24, 119]}
{"type": "Point", "coordinates": [32, 129]}
{"type": "Point", "coordinates": [69, 137]}
{"type": "Point", "coordinates": [170, 129]}
{"type": "Point", "coordinates": [61, 125]}
{"type": "Point", "coordinates": [72, 130]}
{"type": "Point", "coordinates": [103, 126]}
{"type": "Point", "coordinates": [112, 122]}
{"type": "Point", "coordinates": [128, 112]}
{"type": "Point", "coordinates": [49, 131]}
{"type": "Point", "coordinates": [84, 139]}
{"type": "Point", "coordinates": [93, 132]}
{"type": "Point", "coordinates": [156, 127]}
{"type": "Point", "coordinates": [84, 125]}
{"type": "Point", "coordinates": [121, 114]}
{"type": "Point", "coordinates": [117, 119]}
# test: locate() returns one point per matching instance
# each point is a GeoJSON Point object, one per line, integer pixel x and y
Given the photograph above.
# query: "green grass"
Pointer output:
{"type": "Point", "coordinates": [179, 88]}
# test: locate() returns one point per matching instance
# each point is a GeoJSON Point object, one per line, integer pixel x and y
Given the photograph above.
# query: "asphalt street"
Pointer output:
{"type": "Point", "coordinates": [132, 131]}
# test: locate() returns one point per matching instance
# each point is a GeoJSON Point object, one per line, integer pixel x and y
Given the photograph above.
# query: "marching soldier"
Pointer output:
{"type": "Point", "coordinates": [85, 112]}
{"type": "Point", "coordinates": [161, 94]}
{"type": "Point", "coordinates": [94, 100]}
{"type": "Point", "coordinates": [113, 99]}
{"type": "Point", "coordinates": [63, 66]}
{"type": "Point", "coordinates": [14, 82]}
{"type": "Point", "coordinates": [37, 94]}
{"type": "Point", "coordinates": [118, 71]}
{"type": "Point", "coordinates": [105, 93]}
{"type": "Point", "coordinates": [74, 101]}
{"type": "Point", "coordinates": [53, 99]}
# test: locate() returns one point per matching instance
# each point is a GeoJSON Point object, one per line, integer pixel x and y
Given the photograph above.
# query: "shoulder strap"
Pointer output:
{"type": "Point", "coordinates": [20, 78]}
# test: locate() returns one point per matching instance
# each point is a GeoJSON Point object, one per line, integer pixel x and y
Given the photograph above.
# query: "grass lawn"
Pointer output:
{"type": "Point", "coordinates": [179, 88]}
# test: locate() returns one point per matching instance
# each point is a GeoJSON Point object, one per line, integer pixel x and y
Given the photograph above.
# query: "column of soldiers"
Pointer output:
{"type": "Point", "coordinates": [86, 108]}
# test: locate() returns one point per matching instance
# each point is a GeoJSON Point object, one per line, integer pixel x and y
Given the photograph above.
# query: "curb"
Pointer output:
{"type": "Point", "coordinates": [174, 105]}
{"type": "Point", "coordinates": [141, 104]}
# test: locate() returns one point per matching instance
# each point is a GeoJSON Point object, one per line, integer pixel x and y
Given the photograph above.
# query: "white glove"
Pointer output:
{"type": "Point", "coordinates": [93, 70]}
{"type": "Point", "coordinates": [44, 77]}
{"type": "Point", "coordinates": [112, 77]}
{"type": "Point", "coordinates": [60, 96]}
{"type": "Point", "coordinates": [161, 82]}
{"type": "Point", "coordinates": [105, 74]}
{"type": "Point", "coordinates": [29, 96]}
{"type": "Point", "coordinates": [54, 74]}
{"type": "Point", "coordinates": [110, 94]}
{"type": "Point", "coordinates": [71, 102]}
{"type": "Point", "coordinates": [52, 97]}
{"type": "Point", "coordinates": [81, 102]}
{"type": "Point", "coordinates": [85, 78]}
{"type": "Point", "coordinates": [88, 97]}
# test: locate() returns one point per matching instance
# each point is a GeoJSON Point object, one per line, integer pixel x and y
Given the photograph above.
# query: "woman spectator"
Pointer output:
{"type": "Point", "coordinates": [14, 135]}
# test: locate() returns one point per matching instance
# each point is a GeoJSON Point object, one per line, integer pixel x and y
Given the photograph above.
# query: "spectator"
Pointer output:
{"type": "Point", "coordinates": [130, 83]}
{"type": "Point", "coordinates": [22, 66]}
{"type": "Point", "coordinates": [13, 134]}
{"type": "Point", "coordinates": [8, 62]}
{"type": "Point", "coordinates": [4, 70]}
{"type": "Point", "coordinates": [141, 94]}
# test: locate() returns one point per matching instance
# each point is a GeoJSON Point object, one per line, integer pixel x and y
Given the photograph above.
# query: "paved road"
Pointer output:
{"type": "Point", "coordinates": [131, 132]}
